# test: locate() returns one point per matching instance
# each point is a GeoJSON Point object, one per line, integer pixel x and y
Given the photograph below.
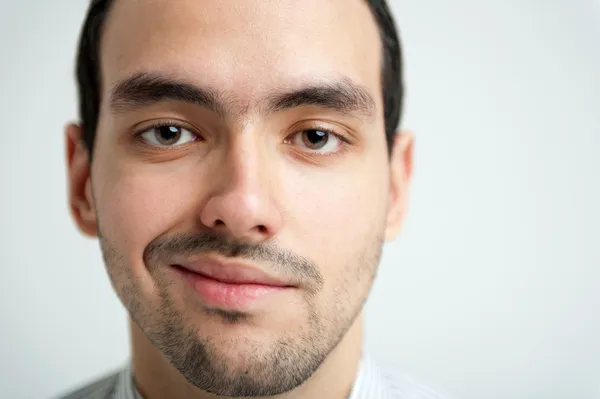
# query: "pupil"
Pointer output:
{"type": "Point", "coordinates": [168, 134]}
{"type": "Point", "coordinates": [316, 138]}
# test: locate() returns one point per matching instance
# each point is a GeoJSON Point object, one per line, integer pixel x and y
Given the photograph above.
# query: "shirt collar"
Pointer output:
{"type": "Point", "coordinates": [369, 384]}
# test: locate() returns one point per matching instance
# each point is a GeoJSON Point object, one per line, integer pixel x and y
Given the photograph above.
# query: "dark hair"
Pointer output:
{"type": "Point", "coordinates": [89, 78]}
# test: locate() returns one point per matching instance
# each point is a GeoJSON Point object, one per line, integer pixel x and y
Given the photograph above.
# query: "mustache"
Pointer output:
{"type": "Point", "coordinates": [180, 247]}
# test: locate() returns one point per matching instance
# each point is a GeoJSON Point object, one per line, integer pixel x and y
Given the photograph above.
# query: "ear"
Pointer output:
{"type": "Point", "coordinates": [81, 200]}
{"type": "Point", "coordinates": [400, 173]}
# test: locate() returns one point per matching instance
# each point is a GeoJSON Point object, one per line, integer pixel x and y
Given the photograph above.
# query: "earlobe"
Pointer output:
{"type": "Point", "coordinates": [81, 200]}
{"type": "Point", "coordinates": [401, 164]}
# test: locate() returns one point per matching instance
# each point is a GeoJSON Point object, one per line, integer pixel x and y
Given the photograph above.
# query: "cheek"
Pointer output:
{"type": "Point", "coordinates": [136, 205]}
{"type": "Point", "coordinates": [338, 215]}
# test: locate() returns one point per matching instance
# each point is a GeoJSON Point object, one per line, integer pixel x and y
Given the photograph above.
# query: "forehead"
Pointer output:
{"type": "Point", "coordinates": [244, 48]}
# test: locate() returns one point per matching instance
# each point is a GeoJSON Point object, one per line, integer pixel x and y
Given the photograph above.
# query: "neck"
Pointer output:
{"type": "Point", "coordinates": [156, 378]}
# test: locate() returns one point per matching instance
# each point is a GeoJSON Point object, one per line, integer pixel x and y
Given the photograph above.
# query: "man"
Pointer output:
{"type": "Point", "coordinates": [239, 162]}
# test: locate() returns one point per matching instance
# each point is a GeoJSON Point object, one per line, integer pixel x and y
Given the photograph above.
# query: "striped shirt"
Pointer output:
{"type": "Point", "coordinates": [371, 382]}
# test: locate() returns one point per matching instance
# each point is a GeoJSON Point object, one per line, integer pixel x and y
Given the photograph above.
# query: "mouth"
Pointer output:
{"type": "Point", "coordinates": [230, 286]}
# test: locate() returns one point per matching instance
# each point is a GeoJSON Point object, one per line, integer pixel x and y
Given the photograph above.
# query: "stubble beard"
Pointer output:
{"type": "Point", "coordinates": [266, 369]}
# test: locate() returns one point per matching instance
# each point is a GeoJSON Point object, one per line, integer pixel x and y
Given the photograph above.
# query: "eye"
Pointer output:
{"type": "Point", "coordinates": [167, 136]}
{"type": "Point", "coordinates": [320, 141]}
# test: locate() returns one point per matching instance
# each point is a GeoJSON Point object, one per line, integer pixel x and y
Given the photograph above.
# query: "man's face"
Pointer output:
{"type": "Point", "coordinates": [248, 132]}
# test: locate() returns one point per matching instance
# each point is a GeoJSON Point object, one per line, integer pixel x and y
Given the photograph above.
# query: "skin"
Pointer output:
{"type": "Point", "coordinates": [243, 175]}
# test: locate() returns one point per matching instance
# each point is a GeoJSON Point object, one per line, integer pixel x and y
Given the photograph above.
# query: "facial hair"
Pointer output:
{"type": "Point", "coordinates": [266, 370]}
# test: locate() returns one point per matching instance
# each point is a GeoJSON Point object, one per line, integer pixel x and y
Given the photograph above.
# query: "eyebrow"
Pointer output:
{"type": "Point", "coordinates": [341, 95]}
{"type": "Point", "coordinates": [145, 89]}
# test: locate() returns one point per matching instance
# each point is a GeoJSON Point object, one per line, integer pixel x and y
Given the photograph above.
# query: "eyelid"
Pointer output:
{"type": "Point", "coordinates": [342, 146]}
{"type": "Point", "coordinates": [298, 128]}
{"type": "Point", "coordinates": [145, 126]}
{"type": "Point", "coordinates": [321, 126]}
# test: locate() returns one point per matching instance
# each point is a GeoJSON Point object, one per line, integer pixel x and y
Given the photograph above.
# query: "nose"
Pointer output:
{"type": "Point", "coordinates": [241, 204]}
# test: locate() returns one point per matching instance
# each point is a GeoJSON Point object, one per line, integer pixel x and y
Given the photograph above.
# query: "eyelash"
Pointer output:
{"type": "Point", "coordinates": [165, 123]}
{"type": "Point", "coordinates": [342, 147]}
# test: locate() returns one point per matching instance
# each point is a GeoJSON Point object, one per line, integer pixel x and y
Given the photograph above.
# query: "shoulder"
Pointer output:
{"type": "Point", "coordinates": [100, 389]}
{"type": "Point", "coordinates": [403, 385]}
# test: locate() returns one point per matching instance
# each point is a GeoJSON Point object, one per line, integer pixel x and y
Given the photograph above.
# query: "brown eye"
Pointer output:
{"type": "Point", "coordinates": [167, 136]}
{"type": "Point", "coordinates": [315, 139]}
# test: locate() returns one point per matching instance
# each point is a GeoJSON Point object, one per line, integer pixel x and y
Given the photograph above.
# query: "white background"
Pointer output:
{"type": "Point", "coordinates": [491, 291]}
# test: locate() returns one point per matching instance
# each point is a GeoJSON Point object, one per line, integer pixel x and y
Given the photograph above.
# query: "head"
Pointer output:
{"type": "Point", "coordinates": [254, 138]}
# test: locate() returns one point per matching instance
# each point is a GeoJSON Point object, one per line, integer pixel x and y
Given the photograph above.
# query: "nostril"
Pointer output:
{"type": "Point", "coordinates": [261, 228]}
{"type": "Point", "coordinates": [219, 222]}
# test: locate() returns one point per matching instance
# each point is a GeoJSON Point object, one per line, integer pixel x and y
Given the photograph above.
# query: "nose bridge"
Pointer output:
{"type": "Point", "coordinates": [244, 166]}
{"type": "Point", "coordinates": [242, 205]}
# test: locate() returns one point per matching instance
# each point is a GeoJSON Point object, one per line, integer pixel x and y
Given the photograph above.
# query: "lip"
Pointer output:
{"type": "Point", "coordinates": [230, 285]}
{"type": "Point", "coordinates": [233, 273]}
